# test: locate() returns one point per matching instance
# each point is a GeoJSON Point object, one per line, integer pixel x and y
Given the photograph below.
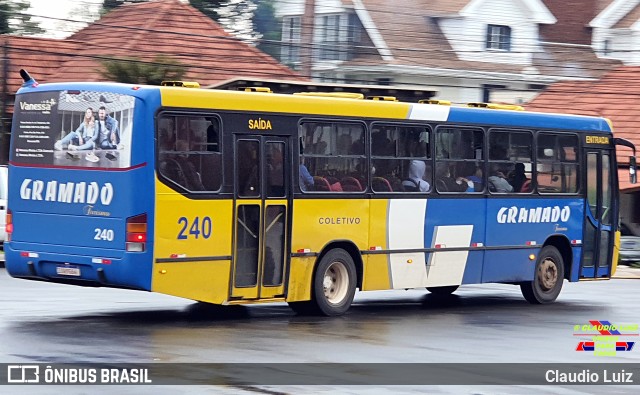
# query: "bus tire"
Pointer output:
{"type": "Point", "coordinates": [334, 283]}
{"type": "Point", "coordinates": [446, 290]}
{"type": "Point", "coordinates": [548, 278]}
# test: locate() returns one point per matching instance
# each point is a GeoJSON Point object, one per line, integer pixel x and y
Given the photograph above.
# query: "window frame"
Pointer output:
{"type": "Point", "coordinates": [532, 158]}
{"type": "Point", "coordinates": [364, 157]}
{"type": "Point", "coordinates": [498, 38]}
{"type": "Point", "coordinates": [429, 159]}
{"type": "Point", "coordinates": [579, 161]}
{"type": "Point", "coordinates": [207, 116]}
{"type": "Point", "coordinates": [481, 162]}
{"type": "Point", "coordinates": [291, 39]}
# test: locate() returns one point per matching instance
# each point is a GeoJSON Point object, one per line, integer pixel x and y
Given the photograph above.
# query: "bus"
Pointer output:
{"type": "Point", "coordinates": [238, 197]}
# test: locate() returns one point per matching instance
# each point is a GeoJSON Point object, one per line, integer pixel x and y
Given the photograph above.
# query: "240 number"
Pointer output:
{"type": "Point", "coordinates": [103, 234]}
{"type": "Point", "coordinates": [199, 227]}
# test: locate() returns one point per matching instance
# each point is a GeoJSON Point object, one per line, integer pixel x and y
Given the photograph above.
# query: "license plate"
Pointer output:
{"type": "Point", "coordinates": [68, 271]}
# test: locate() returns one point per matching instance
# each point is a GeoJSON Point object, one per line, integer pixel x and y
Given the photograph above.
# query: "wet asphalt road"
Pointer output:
{"type": "Point", "coordinates": [51, 323]}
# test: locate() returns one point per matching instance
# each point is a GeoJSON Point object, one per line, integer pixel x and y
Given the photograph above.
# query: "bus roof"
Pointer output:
{"type": "Point", "coordinates": [331, 105]}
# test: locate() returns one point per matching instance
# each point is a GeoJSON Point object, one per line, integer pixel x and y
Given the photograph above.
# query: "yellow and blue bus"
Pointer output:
{"type": "Point", "coordinates": [239, 197]}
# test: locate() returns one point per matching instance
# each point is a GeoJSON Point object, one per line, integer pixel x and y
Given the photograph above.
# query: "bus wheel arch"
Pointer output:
{"type": "Point", "coordinates": [548, 277]}
{"type": "Point", "coordinates": [563, 245]}
{"type": "Point", "coordinates": [336, 275]}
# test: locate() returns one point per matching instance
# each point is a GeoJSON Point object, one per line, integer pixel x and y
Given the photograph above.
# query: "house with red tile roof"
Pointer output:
{"type": "Point", "coordinates": [468, 50]}
{"type": "Point", "coordinates": [141, 31]}
{"type": "Point", "coordinates": [615, 96]}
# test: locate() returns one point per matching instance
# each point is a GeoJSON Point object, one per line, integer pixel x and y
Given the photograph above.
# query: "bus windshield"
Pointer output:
{"type": "Point", "coordinates": [73, 128]}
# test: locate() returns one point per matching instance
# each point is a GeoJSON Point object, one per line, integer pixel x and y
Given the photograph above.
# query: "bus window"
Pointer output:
{"type": "Point", "coordinates": [459, 155]}
{"type": "Point", "coordinates": [333, 153]}
{"type": "Point", "coordinates": [557, 167]}
{"type": "Point", "coordinates": [248, 181]}
{"type": "Point", "coordinates": [401, 160]}
{"type": "Point", "coordinates": [510, 158]}
{"type": "Point", "coordinates": [188, 152]}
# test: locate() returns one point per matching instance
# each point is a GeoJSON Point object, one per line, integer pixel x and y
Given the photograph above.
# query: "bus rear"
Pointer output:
{"type": "Point", "coordinates": [81, 187]}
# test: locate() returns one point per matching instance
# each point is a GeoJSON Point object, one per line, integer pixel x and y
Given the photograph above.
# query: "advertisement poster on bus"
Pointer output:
{"type": "Point", "coordinates": [73, 128]}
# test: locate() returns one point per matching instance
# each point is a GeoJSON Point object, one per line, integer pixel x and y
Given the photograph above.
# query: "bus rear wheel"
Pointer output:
{"type": "Point", "coordinates": [333, 288]}
{"type": "Point", "coordinates": [547, 281]}
{"type": "Point", "coordinates": [446, 290]}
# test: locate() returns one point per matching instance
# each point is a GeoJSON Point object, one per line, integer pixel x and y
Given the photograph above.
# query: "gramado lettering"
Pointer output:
{"type": "Point", "coordinates": [536, 215]}
{"type": "Point", "coordinates": [261, 124]}
{"type": "Point", "coordinates": [66, 192]}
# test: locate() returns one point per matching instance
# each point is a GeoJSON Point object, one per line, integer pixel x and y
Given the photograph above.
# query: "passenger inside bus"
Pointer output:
{"type": "Point", "coordinates": [517, 177]}
{"type": "Point", "coordinates": [446, 183]}
{"type": "Point", "coordinates": [416, 182]}
{"type": "Point", "coordinates": [498, 182]}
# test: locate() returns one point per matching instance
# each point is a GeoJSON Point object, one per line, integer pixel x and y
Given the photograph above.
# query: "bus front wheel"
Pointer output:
{"type": "Point", "coordinates": [548, 278]}
{"type": "Point", "coordinates": [334, 285]}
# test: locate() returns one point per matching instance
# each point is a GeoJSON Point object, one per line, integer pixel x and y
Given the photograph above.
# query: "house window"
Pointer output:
{"type": "Point", "coordinates": [337, 34]}
{"type": "Point", "coordinates": [499, 37]}
{"type": "Point", "coordinates": [606, 48]}
{"type": "Point", "coordinates": [329, 37]}
{"type": "Point", "coordinates": [488, 89]}
{"type": "Point", "coordinates": [291, 40]}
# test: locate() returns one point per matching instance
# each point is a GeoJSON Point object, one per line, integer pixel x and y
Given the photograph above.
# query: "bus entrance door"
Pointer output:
{"type": "Point", "coordinates": [597, 246]}
{"type": "Point", "coordinates": [261, 210]}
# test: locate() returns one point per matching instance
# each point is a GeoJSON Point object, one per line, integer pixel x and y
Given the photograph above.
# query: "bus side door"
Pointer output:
{"type": "Point", "coordinates": [261, 212]}
{"type": "Point", "coordinates": [597, 250]}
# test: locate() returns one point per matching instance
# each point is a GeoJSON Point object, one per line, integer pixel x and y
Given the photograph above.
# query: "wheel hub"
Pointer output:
{"type": "Point", "coordinates": [335, 282]}
{"type": "Point", "coordinates": [548, 274]}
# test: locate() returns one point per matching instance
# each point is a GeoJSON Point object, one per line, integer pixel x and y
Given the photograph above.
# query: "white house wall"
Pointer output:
{"type": "Point", "coordinates": [468, 36]}
{"type": "Point", "coordinates": [296, 7]}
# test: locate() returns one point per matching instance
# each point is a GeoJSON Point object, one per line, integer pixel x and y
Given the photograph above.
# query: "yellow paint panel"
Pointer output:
{"type": "Point", "coordinates": [178, 234]}
{"type": "Point", "coordinates": [205, 281]}
{"type": "Point", "coordinates": [318, 222]}
{"type": "Point", "coordinates": [376, 268]}
{"type": "Point", "coordinates": [270, 102]}
{"type": "Point", "coordinates": [176, 217]}
{"type": "Point", "coordinates": [616, 253]}
{"type": "Point", "coordinates": [300, 278]}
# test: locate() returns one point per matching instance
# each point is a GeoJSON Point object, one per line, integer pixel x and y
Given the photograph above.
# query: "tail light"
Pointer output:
{"type": "Point", "coordinates": [137, 233]}
{"type": "Point", "coordinates": [9, 224]}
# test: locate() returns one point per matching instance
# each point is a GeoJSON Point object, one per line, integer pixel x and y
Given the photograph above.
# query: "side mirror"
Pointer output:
{"type": "Point", "coordinates": [632, 169]}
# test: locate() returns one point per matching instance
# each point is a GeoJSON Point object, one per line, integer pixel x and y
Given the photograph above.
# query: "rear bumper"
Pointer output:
{"type": "Point", "coordinates": [128, 271]}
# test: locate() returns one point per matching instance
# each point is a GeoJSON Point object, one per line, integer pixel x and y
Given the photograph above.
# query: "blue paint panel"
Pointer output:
{"type": "Point", "coordinates": [525, 119]}
{"type": "Point", "coordinates": [575, 266]}
{"type": "Point", "coordinates": [528, 226]}
{"type": "Point", "coordinates": [473, 270]}
{"type": "Point", "coordinates": [508, 266]}
{"type": "Point", "coordinates": [456, 211]}
{"type": "Point", "coordinates": [64, 232]}
{"type": "Point", "coordinates": [508, 223]}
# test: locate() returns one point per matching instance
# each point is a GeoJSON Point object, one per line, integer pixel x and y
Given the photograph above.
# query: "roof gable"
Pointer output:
{"type": "Point", "coordinates": [539, 13]}
{"type": "Point", "coordinates": [630, 19]}
{"type": "Point", "coordinates": [613, 13]}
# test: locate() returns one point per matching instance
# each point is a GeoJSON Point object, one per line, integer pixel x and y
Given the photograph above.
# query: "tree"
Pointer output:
{"type": "Point", "coordinates": [108, 5]}
{"type": "Point", "coordinates": [235, 16]}
{"type": "Point", "coordinates": [208, 7]}
{"type": "Point", "coordinates": [136, 71]}
{"type": "Point", "coordinates": [266, 23]}
{"type": "Point", "coordinates": [14, 18]}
